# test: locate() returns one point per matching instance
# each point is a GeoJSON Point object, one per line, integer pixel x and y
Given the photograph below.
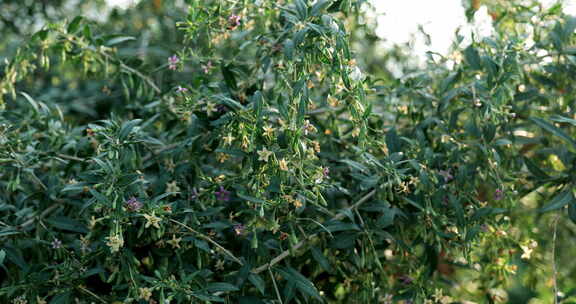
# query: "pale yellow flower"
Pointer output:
{"type": "Point", "coordinates": [355, 132]}
{"type": "Point", "coordinates": [172, 187]}
{"type": "Point", "coordinates": [174, 242]}
{"type": "Point", "coordinates": [283, 164]}
{"type": "Point", "coordinates": [152, 220]}
{"type": "Point", "coordinates": [264, 154]}
{"type": "Point", "coordinates": [527, 249]}
{"type": "Point", "coordinates": [210, 108]}
{"type": "Point", "coordinates": [222, 157]}
{"type": "Point", "coordinates": [220, 265]}
{"type": "Point", "coordinates": [316, 145]}
{"type": "Point", "coordinates": [297, 203]}
{"type": "Point", "coordinates": [115, 242]}
{"type": "Point", "coordinates": [268, 131]}
{"type": "Point", "coordinates": [333, 101]}
{"type": "Point", "coordinates": [228, 139]}
{"type": "Point", "coordinates": [245, 142]}
{"type": "Point", "coordinates": [145, 293]}
{"type": "Point", "coordinates": [308, 127]}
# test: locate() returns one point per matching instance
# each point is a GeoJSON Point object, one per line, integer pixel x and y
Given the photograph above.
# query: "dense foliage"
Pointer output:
{"type": "Point", "coordinates": [244, 152]}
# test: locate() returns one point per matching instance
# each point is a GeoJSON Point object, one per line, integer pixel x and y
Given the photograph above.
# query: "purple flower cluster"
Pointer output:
{"type": "Point", "coordinates": [222, 109]}
{"type": "Point", "coordinates": [180, 89]}
{"type": "Point", "coordinates": [133, 204]}
{"type": "Point", "coordinates": [173, 62]}
{"type": "Point", "coordinates": [194, 194]}
{"type": "Point", "coordinates": [239, 229]}
{"type": "Point", "coordinates": [498, 194]}
{"type": "Point", "coordinates": [446, 174]}
{"type": "Point", "coordinates": [233, 21]}
{"type": "Point", "coordinates": [222, 194]}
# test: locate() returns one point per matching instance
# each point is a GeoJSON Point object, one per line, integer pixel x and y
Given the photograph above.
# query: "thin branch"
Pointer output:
{"type": "Point", "coordinates": [71, 157]}
{"type": "Point", "coordinates": [286, 253]}
{"type": "Point", "coordinates": [207, 238]}
{"type": "Point", "coordinates": [121, 64]}
{"type": "Point", "coordinates": [42, 215]}
{"type": "Point", "coordinates": [91, 293]}
{"type": "Point", "coordinates": [146, 158]}
{"type": "Point", "coordinates": [275, 286]}
{"type": "Point", "coordinates": [554, 269]}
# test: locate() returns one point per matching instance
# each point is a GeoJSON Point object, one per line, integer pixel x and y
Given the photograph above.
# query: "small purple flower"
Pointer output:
{"type": "Point", "coordinates": [173, 62]}
{"type": "Point", "coordinates": [445, 200]}
{"type": "Point", "coordinates": [239, 229]}
{"type": "Point", "coordinates": [194, 194]}
{"type": "Point", "coordinates": [326, 172]}
{"type": "Point", "coordinates": [206, 67]}
{"type": "Point", "coordinates": [133, 204]}
{"type": "Point", "coordinates": [222, 194]}
{"type": "Point", "coordinates": [180, 89]}
{"type": "Point", "coordinates": [498, 194]}
{"type": "Point", "coordinates": [222, 109]}
{"type": "Point", "coordinates": [406, 280]}
{"type": "Point", "coordinates": [233, 21]}
{"type": "Point", "coordinates": [446, 174]}
{"type": "Point", "coordinates": [56, 244]}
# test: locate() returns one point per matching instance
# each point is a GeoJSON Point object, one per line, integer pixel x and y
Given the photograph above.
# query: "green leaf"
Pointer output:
{"type": "Point", "coordinates": [560, 200]}
{"type": "Point", "coordinates": [258, 102]}
{"type": "Point", "coordinates": [2, 256]}
{"type": "Point", "coordinates": [319, 6]}
{"type": "Point", "coordinates": [257, 281]}
{"type": "Point", "coordinates": [32, 102]}
{"type": "Point", "coordinates": [487, 211]}
{"type": "Point", "coordinates": [321, 259]}
{"type": "Point", "coordinates": [127, 128]}
{"type": "Point", "coordinates": [62, 298]}
{"type": "Point", "coordinates": [118, 40]}
{"type": "Point", "coordinates": [229, 77]}
{"type": "Point", "coordinates": [535, 169]}
{"type": "Point", "coordinates": [289, 49]}
{"type": "Point", "coordinates": [344, 240]}
{"type": "Point", "coordinates": [99, 196]}
{"type": "Point", "coordinates": [472, 57]}
{"type": "Point", "coordinates": [231, 103]}
{"type": "Point", "coordinates": [300, 282]}
{"type": "Point", "coordinates": [571, 211]}
{"type": "Point", "coordinates": [355, 165]}
{"type": "Point", "coordinates": [9, 231]}
{"type": "Point", "coordinates": [302, 9]}
{"type": "Point", "coordinates": [66, 223]}
{"type": "Point", "coordinates": [250, 300]}
{"type": "Point", "coordinates": [15, 256]}
{"type": "Point", "coordinates": [42, 35]}
{"type": "Point", "coordinates": [221, 287]}
{"type": "Point", "coordinates": [558, 118]}
{"type": "Point", "coordinates": [340, 226]}
{"type": "Point", "coordinates": [158, 198]}
{"type": "Point", "coordinates": [74, 24]}
{"type": "Point", "coordinates": [251, 198]}
{"type": "Point", "coordinates": [393, 142]}
{"type": "Point", "coordinates": [553, 129]}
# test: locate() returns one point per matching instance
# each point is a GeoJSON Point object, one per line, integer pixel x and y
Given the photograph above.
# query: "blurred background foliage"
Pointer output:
{"type": "Point", "coordinates": [520, 82]}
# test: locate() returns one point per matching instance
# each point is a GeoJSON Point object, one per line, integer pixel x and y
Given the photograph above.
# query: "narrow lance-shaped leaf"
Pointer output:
{"type": "Point", "coordinates": [553, 129]}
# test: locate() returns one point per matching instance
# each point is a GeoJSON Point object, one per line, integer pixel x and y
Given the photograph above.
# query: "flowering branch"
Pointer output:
{"type": "Point", "coordinates": [286, 253]}
{"type": "Point", "coordinates": [207, 238]}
